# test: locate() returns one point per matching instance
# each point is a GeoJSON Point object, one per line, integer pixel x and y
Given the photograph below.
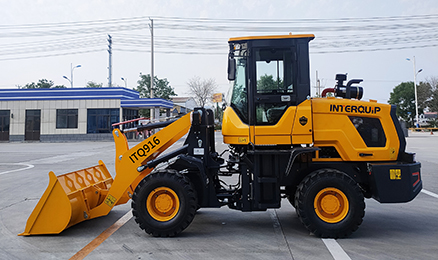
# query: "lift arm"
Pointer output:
{"type": "Point", "coordinates": [129, 160]}
{"type": "Point", "coordinates": [90, 193]}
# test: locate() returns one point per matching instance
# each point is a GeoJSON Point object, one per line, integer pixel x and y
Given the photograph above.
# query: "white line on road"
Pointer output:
{"type": "Point", "coordinates": [429, 193]}
{"type": "Point", "coordinates": [335, 249]}
{"type": "Point", "coordinates": [28, 166]}
{"type": "Point", "coordinates": [61, 158]}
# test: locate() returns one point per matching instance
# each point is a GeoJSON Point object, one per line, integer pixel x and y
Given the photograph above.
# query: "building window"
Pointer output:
{"type": "Point", "coordinates": [100, 120]}
{"type": "Point", "coordinates": [66, 118]}
{"type": "Point", "coordinates": [129, 114]}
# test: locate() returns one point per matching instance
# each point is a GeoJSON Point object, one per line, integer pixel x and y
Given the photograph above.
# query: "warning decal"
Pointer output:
{"type": "Point", "coordinates": [395, 174]}
{"type": "Point", "coordinates": [110, 200]}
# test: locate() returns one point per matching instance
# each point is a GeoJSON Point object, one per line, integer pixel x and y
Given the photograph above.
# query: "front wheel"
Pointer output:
{"type": "Point", "coordinates": [329, 203]}
{"type": "Point", "coordinates": [164, 203]}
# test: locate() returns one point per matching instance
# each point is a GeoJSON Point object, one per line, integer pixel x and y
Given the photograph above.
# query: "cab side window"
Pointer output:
{"type": "Point", "coordinates": [274, 79]}
{"type": "Point", "coordinates": [274, 71]}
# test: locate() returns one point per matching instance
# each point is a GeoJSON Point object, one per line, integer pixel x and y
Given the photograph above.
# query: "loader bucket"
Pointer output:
{"type": "Point", "coordinates": [68, 200]}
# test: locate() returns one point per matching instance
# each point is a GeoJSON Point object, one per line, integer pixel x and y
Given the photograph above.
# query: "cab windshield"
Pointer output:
{"type": "Point", "coordinates": [237, 94]}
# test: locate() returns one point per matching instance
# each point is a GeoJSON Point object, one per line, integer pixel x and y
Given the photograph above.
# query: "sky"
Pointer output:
{"type": "Point", "coordinates": [368, 39]}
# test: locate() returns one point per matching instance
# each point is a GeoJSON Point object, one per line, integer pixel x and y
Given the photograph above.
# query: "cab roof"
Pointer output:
{"type": "Point", "coordinates": [270, 37]}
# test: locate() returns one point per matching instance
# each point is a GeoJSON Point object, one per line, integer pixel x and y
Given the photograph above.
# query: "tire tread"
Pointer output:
{"type": "Point", "coordinates": [173, 176]}
{"type": "Point", "coordinates": [306, 219]}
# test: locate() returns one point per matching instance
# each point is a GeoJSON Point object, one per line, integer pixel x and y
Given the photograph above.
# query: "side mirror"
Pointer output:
{"type": "Point", "coordinates": [231, 69]}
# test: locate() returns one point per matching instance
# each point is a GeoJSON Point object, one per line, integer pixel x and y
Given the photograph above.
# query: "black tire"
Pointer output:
{"type": "Point", "coordinates": [164, 203]}
{"type": "Point", "coordinates": [330, 204]}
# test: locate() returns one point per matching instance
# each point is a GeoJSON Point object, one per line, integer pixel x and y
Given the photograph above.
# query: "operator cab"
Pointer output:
{"type": "Point", "coordinates": [268, 74]}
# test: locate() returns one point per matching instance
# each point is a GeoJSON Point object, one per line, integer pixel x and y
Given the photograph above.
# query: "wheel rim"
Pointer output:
{"type": "Point", "coordinates": [162, 204]}
{"type": "Point", "coordinates": [331, 205]}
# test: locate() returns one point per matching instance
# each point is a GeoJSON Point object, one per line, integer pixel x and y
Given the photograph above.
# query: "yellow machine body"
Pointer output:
{"type": "Point", "coordinates": [90, 193]}
{"type": "Point", "coordinates": [325, 122]}
{"type": "Point", "coordinates": [333, 127]}
{"type": "Point", "coordinates": [324, 154]}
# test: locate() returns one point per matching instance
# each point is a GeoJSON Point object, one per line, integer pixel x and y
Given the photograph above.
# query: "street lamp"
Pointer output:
{"type": "Point", "coordinates": [415, 90]}
{"type": "Point", "coordinates": [71, 73]}
{"type": "Point", "coordinates": [126, 82]}
{"type": "Point", "coordinates": [71, 84]}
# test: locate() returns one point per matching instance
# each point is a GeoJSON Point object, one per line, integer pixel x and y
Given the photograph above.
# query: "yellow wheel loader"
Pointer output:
{"type": "Point", "coordinates": [324, 154]}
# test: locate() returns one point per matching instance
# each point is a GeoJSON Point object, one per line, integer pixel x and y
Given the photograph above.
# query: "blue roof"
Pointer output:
{"type": "Point", "coordinates": [67, 94]}
{"type": "Point", "coordinates": [129, 98]}
{"type": "Point", "coordinates": [147, 102]}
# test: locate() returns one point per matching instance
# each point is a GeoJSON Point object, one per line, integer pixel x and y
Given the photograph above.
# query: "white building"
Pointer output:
{"type": "Point", "coordinates": [183, 104]}
{"type": "Point", "coordinates": [426, 118]}
{"type": "Point", "coordinates": [73, 114]}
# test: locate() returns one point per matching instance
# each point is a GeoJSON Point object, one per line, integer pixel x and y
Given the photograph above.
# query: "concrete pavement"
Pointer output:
{"type": "Point", "coordinates": [389, 231]}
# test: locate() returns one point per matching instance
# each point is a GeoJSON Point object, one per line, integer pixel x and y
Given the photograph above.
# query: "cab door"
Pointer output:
{"type": "Point", "coordinates": [273, 96]}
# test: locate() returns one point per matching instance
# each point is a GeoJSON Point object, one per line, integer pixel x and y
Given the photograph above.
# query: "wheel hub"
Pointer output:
{"type": "Point", "coordinates": [331, 205]}
{"type": "Point", "coordinates": [162, 204]}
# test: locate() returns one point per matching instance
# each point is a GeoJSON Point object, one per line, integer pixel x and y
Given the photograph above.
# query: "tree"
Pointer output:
{"type": "Point", "coordinates": [42, 83]}
{"type": "Point", "coordinates": [433, 102]}
{"type": "Point", "coordinates": [59, 86]}
{"type": "Point", "coordinates": [403, 96]}
{"type": "Point", "coordinates": [267, 83]}
{"type": "Point", "coordinates": [92, 84]}
{"type": "Point", "coordinates": [202, 89]}
{"type": "Point", "coordinates": [424, 93]}
{"type": "Point", "coordinates": [161, 89]}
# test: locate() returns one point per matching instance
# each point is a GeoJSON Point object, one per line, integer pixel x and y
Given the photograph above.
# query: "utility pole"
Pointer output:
{"type": "Point", "coordinates": [151, 27]}
{"type": "Point", "coordinates": [318, 85]}
{"type": "Point", "coordinates": [110, 67]}
{"type": "Point", "coordinates": [415, 91]}
{"type": "Point", "coordinates": [416, 99]}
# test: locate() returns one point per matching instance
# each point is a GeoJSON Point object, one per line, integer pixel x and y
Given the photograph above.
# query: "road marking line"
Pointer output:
{"type": "Point", "coordinates": [278, 229]}
{"type": "Point", "coordinates": [29, 166]}
{"type": "Point", "coordinates": [335, 249]}
{"type": "Point", "coordinates": [81, 254]}
{"type": "Point", "coordinates": [429, 193]}
{"type": "Point", "coordinates": [62, 158]}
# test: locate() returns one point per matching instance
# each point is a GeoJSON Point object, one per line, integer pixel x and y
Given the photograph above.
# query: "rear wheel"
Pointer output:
{"type": "Point", "coordinates": [329, 203]}
{"type": "Point", "coordinates": [164, 203]}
